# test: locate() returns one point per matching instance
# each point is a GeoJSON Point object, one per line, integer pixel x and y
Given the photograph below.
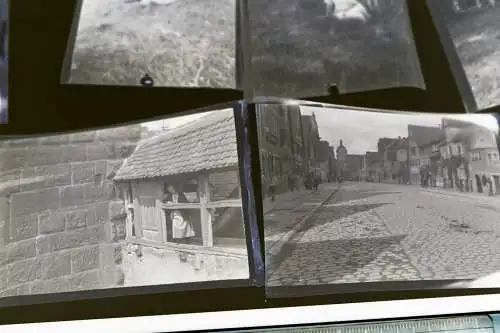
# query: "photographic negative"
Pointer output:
{"type": "Point", "coordinates": [177, 43]}
{"type": "Point", "coordinates": [474, 28]}
{"type": "Point", "coordinates": [4, 61]}
{"type": "Point", "coordinates": [302, 47]}
{"type": "Point", "coordinates": [150, 204]}
{"type": "Point", "coordinates": [356, 197]}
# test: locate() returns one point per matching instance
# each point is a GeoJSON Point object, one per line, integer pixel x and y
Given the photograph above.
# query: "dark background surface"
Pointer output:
{"type": "Point", "coordinates": [39, 104]}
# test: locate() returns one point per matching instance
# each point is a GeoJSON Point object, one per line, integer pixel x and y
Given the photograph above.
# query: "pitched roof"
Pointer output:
{"type": "Point", "coordinates": [205, 144]}
{"type": "Point", "coordinates": [423, 135]}
{"type": "Point", "coordinates": [455, 123]}
{"type": "Point", "coordinates": [483, 139]}
{"type": "Point", "coordinates": [398, 143]}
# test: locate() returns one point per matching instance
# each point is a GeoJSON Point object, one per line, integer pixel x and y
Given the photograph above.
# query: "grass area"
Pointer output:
{"type": "Point", "coordinates": [477, 39]}
{"type": "Point", "coordinates": [298, 52]}
{"type": "Point", "coordinates": [189, 43]}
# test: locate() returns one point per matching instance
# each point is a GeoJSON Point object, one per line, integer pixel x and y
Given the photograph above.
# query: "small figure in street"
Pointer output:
{"type": "Point", "coordinates": [291, 182]}
{"type": "Point", "coordinates": [490, 187]}
{"type": "Point", "coordinates": [273, 187]}
{"type": "Point", "coordinates": [315, 179]}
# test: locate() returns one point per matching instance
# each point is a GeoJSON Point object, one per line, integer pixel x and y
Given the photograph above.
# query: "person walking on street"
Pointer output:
{"type": "Point", "coordinates": [490, 187]}
{"type": "Point", "coordinates": [273, 187]}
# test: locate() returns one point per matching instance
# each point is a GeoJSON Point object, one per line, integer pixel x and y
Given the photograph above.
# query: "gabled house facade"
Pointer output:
{"type": "Point", "coordinates": [310, 134]}
{"type": "Point", "coordinates": [281, 142]}
{"type": "Point", "coordinates": [484, 161]}
{"type": "Point", "coordinates": [423, 142]}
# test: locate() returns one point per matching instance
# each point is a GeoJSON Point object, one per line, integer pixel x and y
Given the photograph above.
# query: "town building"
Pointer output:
{"type": "Point", "coordinates": [323, 160]}
{"type": "Point", "coordinates": [484, 160]}
{"type": "Point", "coordinates": [341, 160]}
{"type": "Point", "coordinates": [332, 164]}
{"type": "Point", "coordinates": [354, 167]}
{"type": "Point", "coordinates": [397, 154]}
{"type": "Point", "coordinates": [373, 166]}
{"type": "Point", "coordinates": [310, 134]}
{"type": "Point", "coordinates": [454, 151]}
{"type": "Point", "coordinates": [281, 143]}
{"type": "Point", "coordinates": [422, 140]}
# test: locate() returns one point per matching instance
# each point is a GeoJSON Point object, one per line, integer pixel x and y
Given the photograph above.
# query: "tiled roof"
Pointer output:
{"type": "Point", "coordinates": [399, 143]}
{"type": "Point", "coordinates": [483, 139]}
{"type": "Point", "coordinates": [455, 123]}
{"type": "Point", "coordinates": [206, 144]}
{"type": "Point", "coordinates": [423, 135]}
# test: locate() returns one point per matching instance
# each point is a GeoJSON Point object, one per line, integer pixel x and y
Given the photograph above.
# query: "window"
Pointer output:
{"type": "Point", "coordinates": [275, 126]}
{"type": "Point", "coordinates": [459, 149]}
{"type": "Point", "coordinates": [413, 151]}
{"type": "Point", "coordinates": [476, 156]}
{"type": "Point", "coordinates": [214, 210]}
{"type": "Point", "coordinates": [450, 151]}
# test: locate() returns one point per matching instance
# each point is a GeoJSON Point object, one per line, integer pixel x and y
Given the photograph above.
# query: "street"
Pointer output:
{"type": "Point", "coordinates": [371, 232]}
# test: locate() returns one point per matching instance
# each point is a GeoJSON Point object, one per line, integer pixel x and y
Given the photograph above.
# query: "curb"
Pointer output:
{"type": "Point", "coordinates": [278, 245]}
{"type": "Point", "coordinates": [461, 194]}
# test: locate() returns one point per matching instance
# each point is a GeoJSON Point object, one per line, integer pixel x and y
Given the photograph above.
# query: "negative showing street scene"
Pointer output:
{"type": "Point", "coordinates": [302, 47]}
{"type": "Point", "coordinates": [475, 30]}
{"type": "Point", "coordinates": [4, 60]}
{"type": "Point", "coordinates": [157, 203]}
{"type": "Point", "coordinates": [356, 196]}
{"type": "Point", "coordinates": [176, 43]}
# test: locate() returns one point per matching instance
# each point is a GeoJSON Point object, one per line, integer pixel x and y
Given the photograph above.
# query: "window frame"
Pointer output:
{"type": "Point", "coordinates": [204, 206]}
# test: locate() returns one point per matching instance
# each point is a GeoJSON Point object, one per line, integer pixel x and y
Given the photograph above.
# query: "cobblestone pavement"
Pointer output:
{"type": "Point", "coordinates": [289, 209]}
{"type": "Point", "coordinates": [379, 232]}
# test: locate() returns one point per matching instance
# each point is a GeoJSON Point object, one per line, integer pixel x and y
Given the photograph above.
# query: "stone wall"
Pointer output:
{"type": "Point", "coordinates": [146, 265]}
{"type": "Point", "coordinates": [61, 218]}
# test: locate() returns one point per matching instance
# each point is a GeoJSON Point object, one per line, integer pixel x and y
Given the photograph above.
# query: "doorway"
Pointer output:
{"type": "Point", "coordinates": [479, 184]}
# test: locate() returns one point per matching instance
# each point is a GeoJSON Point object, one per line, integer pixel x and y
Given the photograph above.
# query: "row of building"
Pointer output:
{"type": "Point", "coordinates": [291, 147]}
{"type": "Point", "coordinates": [459, 155]}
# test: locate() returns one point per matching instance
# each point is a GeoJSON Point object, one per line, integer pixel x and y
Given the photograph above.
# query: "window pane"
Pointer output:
{"type": "Point", "coordinates": [181, 191]}
{"type": "Point", "coordinates": [228, 227]}
{"type": "Point", "coordinates": [224, 185]}
{"type": "Point", "coordinates": [184, 226]}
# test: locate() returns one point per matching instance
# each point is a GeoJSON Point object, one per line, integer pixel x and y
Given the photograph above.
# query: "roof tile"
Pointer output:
{"type": "Point", "coordinates": [206, 144]}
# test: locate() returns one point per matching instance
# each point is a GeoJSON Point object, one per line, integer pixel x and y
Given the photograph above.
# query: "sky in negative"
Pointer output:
{"type": "Point", "coordinates": [360, 130]}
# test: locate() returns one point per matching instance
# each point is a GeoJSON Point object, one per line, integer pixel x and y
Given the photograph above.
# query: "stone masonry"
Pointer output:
{"type": "Point", "coordinates": [61, 217]}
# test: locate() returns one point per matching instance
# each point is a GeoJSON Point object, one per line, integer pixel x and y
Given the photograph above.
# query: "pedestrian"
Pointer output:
{"type": "Point", "coordinates": [291, 183]}
{"type": "Point", "coordinates": [490, 187]}
{"type": "Point", "coordinates": [273, 187]}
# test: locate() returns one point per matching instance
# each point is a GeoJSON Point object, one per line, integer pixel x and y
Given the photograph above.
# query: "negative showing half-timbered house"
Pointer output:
{"type": "Point", "coordinates": [182, 196]}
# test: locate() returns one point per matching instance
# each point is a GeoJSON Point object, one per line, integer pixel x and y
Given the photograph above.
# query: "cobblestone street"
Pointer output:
{"type": "Point", "coordinates": [370, 232]}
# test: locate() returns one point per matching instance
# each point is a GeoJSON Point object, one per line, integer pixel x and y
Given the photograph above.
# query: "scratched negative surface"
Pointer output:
{"type": "Point", "coordinates": [177, 43]}
{"type": "Point", "coordinates": [302, 47]}
{"type": "Point", "coordinates": [475, 32]}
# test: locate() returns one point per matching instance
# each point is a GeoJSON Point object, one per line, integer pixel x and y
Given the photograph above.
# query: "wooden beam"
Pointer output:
{"type": "Point", "coordinates": [206, 217]}
{"type": "Point", "coordinates": [128, 204]}
{"type": "Point", "coordinates": [224, 203]}
{"type": "Point", "coordinates": [137, 210]}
